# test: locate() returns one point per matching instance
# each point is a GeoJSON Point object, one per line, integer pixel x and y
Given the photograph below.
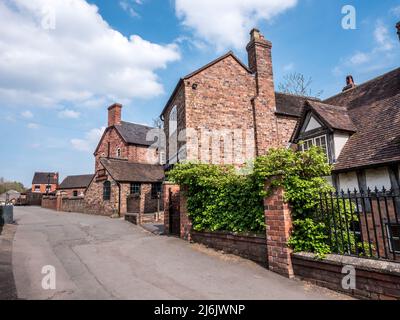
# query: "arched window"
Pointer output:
{"type": "Point", "coordinates": [106, 190]}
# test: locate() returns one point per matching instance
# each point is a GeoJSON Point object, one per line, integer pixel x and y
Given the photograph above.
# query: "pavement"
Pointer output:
{"type": "Point", "coordinates": [7, 285]}
{"type": "Point", "coordinates": [97, 257]}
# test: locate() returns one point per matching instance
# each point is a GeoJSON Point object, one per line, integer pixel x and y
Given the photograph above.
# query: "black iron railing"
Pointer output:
{"type": "Point", "coordinates": [362, 223]}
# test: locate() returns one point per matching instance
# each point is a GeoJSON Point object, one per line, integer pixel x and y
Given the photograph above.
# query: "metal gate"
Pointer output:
{"type": "Point", "coordinates": [174, 214]}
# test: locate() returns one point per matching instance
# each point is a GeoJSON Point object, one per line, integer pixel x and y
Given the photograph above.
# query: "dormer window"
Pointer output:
{"type": "Point", "coordinates": [317, 142]}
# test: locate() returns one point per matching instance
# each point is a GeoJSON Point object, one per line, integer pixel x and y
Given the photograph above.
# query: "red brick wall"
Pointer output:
{"type": "Point", "coordinates": [73, 205]}
{"type": "Point", "coordinates": [115, 140]}
{"type": "Point", "coordinates": [69, 193]}
{"type": "Point", "coordinates": [49, 202]}
{"type": "Point", "coordinates": [377, 280]}
{"type": "Point", "coordinates": [248, 246]}
{"type": "Point", "coordinates": [94, 203]}
{"type": "Point", "coordinates": [278, 222]}
{"type": "Point", "coordinates": [175, 189]}
{"type": "Point", "coordinates": [114, 114]}
{"type": "Point", "coordinates": [286, 126]}
{"type": "Point", "coordinates": [132, 153]}
{"type": "Point", "coordinates": [186, 224]}
{"type": "Point", "coordinates": [225, 97]}
{"type": "Point", "coordinates": [221, 101]}
{"type": "Point", "coordinates": [53, 187]}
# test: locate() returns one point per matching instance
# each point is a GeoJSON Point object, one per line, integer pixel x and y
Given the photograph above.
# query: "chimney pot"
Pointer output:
{"type": "Point", "coordinates": [349, 83]}
{"type": "Point", "coordinates": [114, 114]}
{"type": "Point", "coordinates": [398, 29]}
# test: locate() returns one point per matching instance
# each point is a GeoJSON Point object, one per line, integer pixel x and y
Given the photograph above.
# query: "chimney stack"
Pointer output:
{"type": "Point", "coordinates": [398, 29]}
{"type": "Point", "coordinates": [264, 105]}
{"type": "Point", "coordinates": [349, 83]}
{"type": "Point", "coordinates": [114, 114]}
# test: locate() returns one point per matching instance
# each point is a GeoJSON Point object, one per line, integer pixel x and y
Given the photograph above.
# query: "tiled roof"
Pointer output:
{"type": "Point", "coordinates": [134, 133]}
{"type": "Point", "coordinates": [290, 104]}
{"type": "Point", "coordinates": [336, 117]}
{"type": "Point", "coordinates": [43, 178]}
{"type": "Point", "coordinates": [78, 182]}
{"type": "Point", "coordinates": [374, 108]}
{"type": "Point", "coordinates": [124, 171]}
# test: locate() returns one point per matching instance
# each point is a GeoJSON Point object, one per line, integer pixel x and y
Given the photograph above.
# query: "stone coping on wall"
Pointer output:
{"type": "Point", "coordinates": [388, 267]}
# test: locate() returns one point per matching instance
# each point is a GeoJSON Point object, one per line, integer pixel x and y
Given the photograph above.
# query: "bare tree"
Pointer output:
{"type": "Point", "coordinates": [296, 83]}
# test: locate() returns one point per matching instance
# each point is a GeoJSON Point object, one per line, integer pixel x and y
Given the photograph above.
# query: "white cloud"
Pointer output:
{"type": "Point", "coordinates": [227, 23]}
{"type": "Point", "coordinates": [359, 58]}
{"type": "Point", "coordinates": [127, 6]}
{"type": "Point", "coordinates": [27, 114]}
{"type": "Point", "coordinates": [396, 11]}
{"type": "Point", "coordinates": [90, 141]}
{"type": "Point", "coordinates": [380, 56]}
{"type": "Point", "coordinates": [80, 60]}
{"type": "Point", "coordinates": [382, 38]}
{"type": "Point", "coordinates": [33, 125]}
{"type": "Point", "coordinates": [289, 67]}
{"type": "Point", "coordinates": [69, 114]}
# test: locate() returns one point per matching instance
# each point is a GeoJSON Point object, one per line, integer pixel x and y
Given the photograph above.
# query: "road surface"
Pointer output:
{"type": "Point", "coordinates": [101, 258]}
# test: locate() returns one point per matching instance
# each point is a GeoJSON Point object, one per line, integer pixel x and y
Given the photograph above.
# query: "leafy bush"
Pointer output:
{"type": "Point", "coordinates": [219, 198]}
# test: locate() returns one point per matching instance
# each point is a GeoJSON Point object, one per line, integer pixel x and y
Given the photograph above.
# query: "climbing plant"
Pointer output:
{"type": "Point", "coordinates": [223, 198]}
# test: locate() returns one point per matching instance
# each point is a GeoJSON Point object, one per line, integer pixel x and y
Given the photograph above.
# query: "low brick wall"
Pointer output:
{"type": "Point", "coordinates": [378, 280]}
{"type": "Point", "coordinates": [248, 246]}
{"type": "Point", "coordinates": [73, 204]}
{"type": "Point", "coordinates": [49, 202]}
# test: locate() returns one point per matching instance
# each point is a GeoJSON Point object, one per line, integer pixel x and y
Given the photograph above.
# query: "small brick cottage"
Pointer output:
{"type": "Point", "coordinates": [127, 175]}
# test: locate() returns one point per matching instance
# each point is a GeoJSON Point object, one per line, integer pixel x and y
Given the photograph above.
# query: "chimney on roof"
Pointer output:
{"type": "Point", "coordinates": [114, 114]}
{"type": "Point", "coordinates": [259, 52]}
{"type": "Point", "coordinates": [398, 29]}
{"type": "Point", "coordinates": [349, 83]}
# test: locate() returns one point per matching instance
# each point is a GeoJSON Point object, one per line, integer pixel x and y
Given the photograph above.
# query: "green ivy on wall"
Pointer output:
{"type": "Point", "coordinates": [221, 198]}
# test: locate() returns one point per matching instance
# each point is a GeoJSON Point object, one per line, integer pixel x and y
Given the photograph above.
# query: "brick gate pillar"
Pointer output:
{"type": "Point", "coordinates": [174, 189]}
{"type": "Point", "coordinates": [278, 221]}
{"type": "Point", "coordinates": [186, 223]}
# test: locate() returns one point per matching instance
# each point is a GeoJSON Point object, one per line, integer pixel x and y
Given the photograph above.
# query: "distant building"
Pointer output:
{"type": "Point", "coordinates": [10, 196]}
{"type": "Point", "coordinates": [75, 186]}
{"type": "Point", "coordinates": [45, 182]}
{"type": "Point", "coordinates": [126, 170]}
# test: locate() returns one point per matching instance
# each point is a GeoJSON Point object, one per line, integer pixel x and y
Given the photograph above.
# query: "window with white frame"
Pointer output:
{"type": "Point", "coordinates": [318, 142]}
{"type": "Point", "coordinates": [119, 153]}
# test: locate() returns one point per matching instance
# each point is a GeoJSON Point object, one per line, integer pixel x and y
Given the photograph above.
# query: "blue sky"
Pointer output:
{"type": "Point", "coordinates": [63, 62]}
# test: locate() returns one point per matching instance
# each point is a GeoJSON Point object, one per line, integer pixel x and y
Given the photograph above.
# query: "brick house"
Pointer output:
{"type": "Point", "coordinates": [230, 102]}
{"type": "Point", "coordinates": [127, 176]}
{"type": "Point", "coordinates": [227, 103]}
{"type": "Point", "coordinates": [75, 186]}
{"type": "Point", "coordinates": [44, 182]}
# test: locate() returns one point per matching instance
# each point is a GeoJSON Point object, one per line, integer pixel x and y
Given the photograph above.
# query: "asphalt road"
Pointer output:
{"type": "Point", "coordinates": [99, 258]}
